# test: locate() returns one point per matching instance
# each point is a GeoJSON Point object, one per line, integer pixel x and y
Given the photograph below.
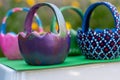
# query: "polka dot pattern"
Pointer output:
{"type": "Point", "coordinates": [101, 45]}
{"type": "Point", "coordinates": [104, 45]}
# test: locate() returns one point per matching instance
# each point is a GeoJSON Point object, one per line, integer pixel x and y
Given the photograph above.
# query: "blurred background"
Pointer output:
{"type": "Point", "coordinates": [100, 18]}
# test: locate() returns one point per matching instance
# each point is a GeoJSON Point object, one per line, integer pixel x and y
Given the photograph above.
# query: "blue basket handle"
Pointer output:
{"type": "Point", "coordinates": [17, 9]}
{"type": "Point", "coordinates": [112, 8]}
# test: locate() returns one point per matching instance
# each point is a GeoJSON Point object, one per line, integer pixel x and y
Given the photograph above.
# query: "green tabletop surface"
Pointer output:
{"type": "Point", "coordinates": [20, 65]}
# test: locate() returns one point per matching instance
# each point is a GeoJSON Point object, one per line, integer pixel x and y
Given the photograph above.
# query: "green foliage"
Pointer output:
{"type": "Point", "coordinates": [101, 18]}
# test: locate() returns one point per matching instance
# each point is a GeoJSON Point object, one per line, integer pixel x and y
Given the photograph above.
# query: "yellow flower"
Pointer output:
{"type": "Point", "coordinates": [30, 2]}
{"type": "Point", "coordinates": [35, 26]}
{"type": "Point", "coordinates": [75, 4]}
{"type": "Point", "coordinates": [68, 25]}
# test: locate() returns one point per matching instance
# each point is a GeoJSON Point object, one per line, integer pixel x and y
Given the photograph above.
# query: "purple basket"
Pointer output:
{"type": "Point", "coordinates": [44, 49]}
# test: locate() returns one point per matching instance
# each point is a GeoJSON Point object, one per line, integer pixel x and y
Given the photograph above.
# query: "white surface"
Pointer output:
{"type": "Point", "coordinates": [6, 73]}
{"type": "Point", "coordinates": [107, 71]}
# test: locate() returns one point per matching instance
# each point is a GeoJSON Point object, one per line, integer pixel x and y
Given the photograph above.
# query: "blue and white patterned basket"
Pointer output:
{"type": "Point", "coordinates": [100, 44]}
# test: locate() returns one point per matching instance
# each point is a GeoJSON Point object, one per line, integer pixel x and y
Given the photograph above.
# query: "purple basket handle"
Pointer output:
{"type": "Point", "coordinates": [57, 12]}
{"type": "Point", "coordinates": [112, 8]}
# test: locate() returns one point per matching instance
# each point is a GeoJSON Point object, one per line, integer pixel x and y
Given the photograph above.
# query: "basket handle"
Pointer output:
{"type": "Point", "coordinates": [77, 10]}
{"type": "Point", "coordinates": [57, 12]}
{"type": "Point", "coordinates": [112, 8]}
{"type": "Point", "coordinates": [17, 9]}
